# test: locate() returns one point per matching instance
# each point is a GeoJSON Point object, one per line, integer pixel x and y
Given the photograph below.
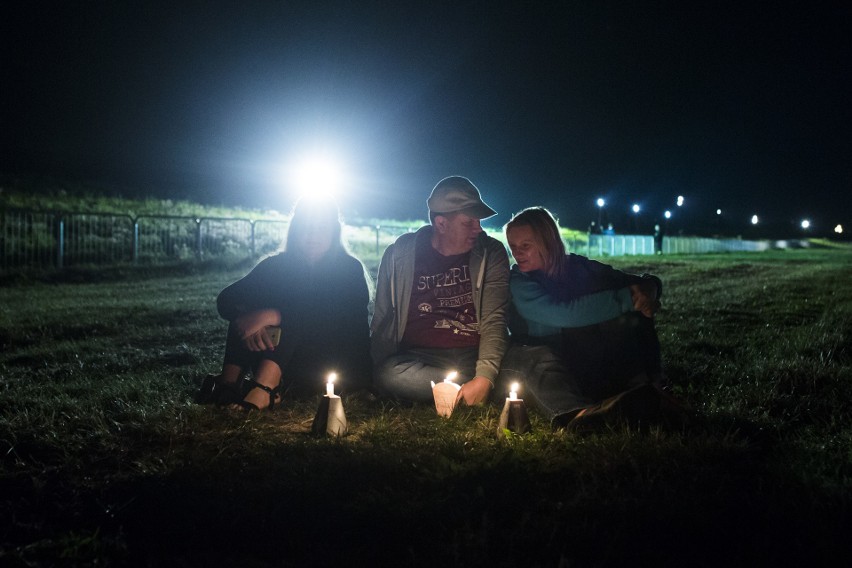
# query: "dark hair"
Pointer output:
{"type": "Point", "coordinates": [323, 210]}
{"type": "Point", "coordinates": [546, 234]}
{"type": "Point", "coordinates": [311, 211]}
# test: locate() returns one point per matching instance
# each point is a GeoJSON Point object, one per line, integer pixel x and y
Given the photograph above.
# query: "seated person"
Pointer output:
{"type": "Point", "coordinates": [318, 294]}
{"type": "Point", "coordinates": [581, 331]}
{"type": "Point", "coordinates": [441, 301]}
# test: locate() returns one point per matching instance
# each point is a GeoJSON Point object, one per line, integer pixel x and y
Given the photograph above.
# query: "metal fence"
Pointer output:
{"type": "Point", "coordinates": [49, 239]}
{"type": "Point", "coordinates": [621, 245]}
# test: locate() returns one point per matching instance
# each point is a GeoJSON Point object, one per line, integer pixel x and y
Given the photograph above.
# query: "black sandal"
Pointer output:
{"type": "Point", "coordinates": [213, 391]}
{"type": "Point", "coordinates": [272, 392]}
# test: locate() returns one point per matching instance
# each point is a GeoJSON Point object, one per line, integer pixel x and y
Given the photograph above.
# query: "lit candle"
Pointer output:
{"type": "Point", "coordinates": [450, 376]}
{"type": "Point", "coordinates": [329, 386]}
{"type": "Point", "coordinates": [513, 393]}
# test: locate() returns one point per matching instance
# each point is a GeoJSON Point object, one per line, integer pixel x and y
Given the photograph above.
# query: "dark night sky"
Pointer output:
{"type": "Point", "coordinates": [733, 105]}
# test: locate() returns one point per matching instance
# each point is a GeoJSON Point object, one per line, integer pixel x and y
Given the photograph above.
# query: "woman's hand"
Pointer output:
{"type": "Point", "coordinates": [259, 341]}
{"type": "Point", "coordinates": [252, 328]}
{"type": "Point", "coordinates": [645, 298]}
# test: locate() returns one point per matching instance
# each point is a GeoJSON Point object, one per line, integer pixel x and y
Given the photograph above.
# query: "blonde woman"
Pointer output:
{"type": "Point", "coordinates": [582, 332]}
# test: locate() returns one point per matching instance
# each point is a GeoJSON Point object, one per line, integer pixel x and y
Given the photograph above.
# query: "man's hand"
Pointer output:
{"type": "Point", "coordinates": [645, 298]}
{"type": "Point", "coordinates": [474, 391]}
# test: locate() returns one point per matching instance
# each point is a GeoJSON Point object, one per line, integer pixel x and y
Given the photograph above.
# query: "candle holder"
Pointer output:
{"type": "Point", "coordinates": [445, 394]}
{"type": "Point", "coordinates": [330, 418]}
{"type": "Point", "coordinates": [514, 417]}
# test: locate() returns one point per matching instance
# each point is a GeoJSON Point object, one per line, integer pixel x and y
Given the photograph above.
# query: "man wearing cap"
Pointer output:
{"type": "Point", "coordinates": [441, 301]}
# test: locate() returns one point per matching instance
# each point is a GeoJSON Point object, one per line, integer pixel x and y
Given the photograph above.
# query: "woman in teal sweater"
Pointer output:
{"type": "Point", "coordinates": [581, 330]}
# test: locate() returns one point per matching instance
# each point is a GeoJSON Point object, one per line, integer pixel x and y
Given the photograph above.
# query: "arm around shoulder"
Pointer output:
{"type": "Point", "coordinates": [534, 303]}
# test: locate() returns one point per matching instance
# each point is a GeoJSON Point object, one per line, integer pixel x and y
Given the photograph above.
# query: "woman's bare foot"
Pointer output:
{"type": "Point", "coordinates": [259, 399]}
{"type": "Point", "coordinates": [267, 385]}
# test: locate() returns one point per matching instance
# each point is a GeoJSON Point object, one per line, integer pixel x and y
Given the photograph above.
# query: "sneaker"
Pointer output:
{"type": "Point", "coordinates": [638, 406]}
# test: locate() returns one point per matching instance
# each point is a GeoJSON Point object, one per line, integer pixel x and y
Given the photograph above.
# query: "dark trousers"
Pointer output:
{"type": "Point", "coordinates": [585, 366]}
{"type": "Point", "coordinates": [304, 364]}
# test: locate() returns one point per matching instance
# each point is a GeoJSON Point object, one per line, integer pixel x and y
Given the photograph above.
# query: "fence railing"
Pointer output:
{"type": "Point", "coordinates": [621, 245]}
{"type": "Point", "coordinates": [49, 239]}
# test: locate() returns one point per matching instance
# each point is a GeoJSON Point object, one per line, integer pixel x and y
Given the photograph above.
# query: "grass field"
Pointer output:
{"type": "Point", "coordinates": [105, 460]}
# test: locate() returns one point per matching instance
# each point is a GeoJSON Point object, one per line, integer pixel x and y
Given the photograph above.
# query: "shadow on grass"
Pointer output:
{"type": "Point", "coordinates": [704, 498]}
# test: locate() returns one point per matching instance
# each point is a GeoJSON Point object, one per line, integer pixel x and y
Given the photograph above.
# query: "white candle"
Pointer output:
{"type": "Point", "coordinates": [329, 386]}
{"type": "Point", "coordinates": [513, 393]}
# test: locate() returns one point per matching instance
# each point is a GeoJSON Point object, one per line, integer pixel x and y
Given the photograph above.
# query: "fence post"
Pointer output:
{"type": "Point", "coordinates": [60, 241]}
{"type": "Point", "coordinates": [251, 222]}
{"type": "Point", "coordinates": [135, 240]}
{"type": "Point", "coordinates": [198, 237]}
{"type": "Point", "coordinates": [378, 228]}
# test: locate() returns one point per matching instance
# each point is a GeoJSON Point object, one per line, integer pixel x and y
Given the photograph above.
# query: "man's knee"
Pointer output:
{"type": "Point", "coordinates": [400, 377]}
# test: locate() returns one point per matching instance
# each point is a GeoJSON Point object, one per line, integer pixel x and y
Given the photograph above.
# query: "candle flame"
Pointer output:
{"type": "Point", "coordinates": [451, 375]}
{"type": "Point", "coordinates": [515, 386]}
{"type": "Point", "coordinates": [332, 377]}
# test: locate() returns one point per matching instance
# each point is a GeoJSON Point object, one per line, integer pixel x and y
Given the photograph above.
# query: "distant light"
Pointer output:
{"type": "Point", "coordinates": [838, 229]}
{"type": "Point", "coordinates": [636, 208]}
{"type": "Point", "coordinates": [668, 214]}
{"type": "Point", "coordinates": [754, 219]}
{"type": "Point", "coordinates": [805, 223]}
{"type": "Point", "coordinates": [601, 202]}
{"type": "Point", "coordinates": [679, 200]}
{"type": "Point", "coordinates": [317, 174]}
{"type": "Point", "coordinates": [718, 211]}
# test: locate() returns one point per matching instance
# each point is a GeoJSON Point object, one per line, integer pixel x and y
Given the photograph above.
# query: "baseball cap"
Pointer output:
{"type": "Point", "coordinates": [457, 194]}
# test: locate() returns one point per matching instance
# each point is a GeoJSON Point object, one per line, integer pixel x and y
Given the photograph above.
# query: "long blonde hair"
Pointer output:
{"type": "Point", "coordinates": [546, 235]}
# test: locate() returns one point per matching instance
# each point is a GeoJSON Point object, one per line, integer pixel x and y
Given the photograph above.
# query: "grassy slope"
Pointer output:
{"type": "Point", "coordinates": [105, 457]}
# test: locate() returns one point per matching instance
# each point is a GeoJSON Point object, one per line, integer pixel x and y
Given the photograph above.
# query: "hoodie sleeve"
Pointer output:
{"type": "Point", "coordinates": [493, 330]}
{"type": "Point", "coordinates": [382, 334]}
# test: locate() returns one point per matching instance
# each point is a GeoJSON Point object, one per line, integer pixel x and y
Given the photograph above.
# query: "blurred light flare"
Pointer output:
{"type": "Point", "coordinates": [636, 208]}
{"type": "Point", "coordinates": [754, 219]}
{"type": "Point", "coordinates": [600, 202]}
{"type": "Point", "coordinates": [806, 224]}
{"type": "Point", "coordinates": [316, 174]}
{"type": "Point", "coordinates": [679, 200]}
{"type": "Point", "coordinates": [838, 229]}
{"type": "Point", "coordinates": [668, 214]}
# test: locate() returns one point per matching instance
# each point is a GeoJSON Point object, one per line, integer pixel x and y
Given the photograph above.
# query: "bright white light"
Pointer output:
{"type": "Point", "coordinates": [601, 202]}
{"type": "Point", "coordinates": [718, 211]}
{"type": "Point", "coordinates": [316, 174]}
{"type": "Point", "coordinates": [805, 223]}
{"type": "Point", "coordinates": [679, 200]}
{"type": "Point", "coordinates": [668, 214]}
{"type": "Point", "coordinates": [754, 219]}
{"type": "Point", "coordinates": [636, 208]}
{"type": "Point", "coordinates": [838, 229]}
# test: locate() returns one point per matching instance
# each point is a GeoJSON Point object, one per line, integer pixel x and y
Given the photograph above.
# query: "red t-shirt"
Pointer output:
{"type": "Point", "coordinates": [441, 313]}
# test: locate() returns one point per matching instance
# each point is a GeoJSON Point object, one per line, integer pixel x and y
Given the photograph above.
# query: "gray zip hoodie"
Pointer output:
{"type": "Point", "coordinates": [489, 265]}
